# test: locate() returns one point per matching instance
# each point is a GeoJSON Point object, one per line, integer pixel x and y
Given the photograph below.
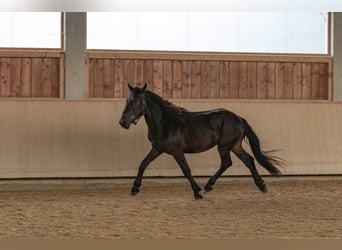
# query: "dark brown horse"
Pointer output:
{"type": "Point", "coordinates": [176, 131]}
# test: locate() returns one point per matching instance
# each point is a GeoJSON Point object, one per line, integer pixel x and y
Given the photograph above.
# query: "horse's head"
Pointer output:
{"type": "Point", "coordinates": [134, 108]}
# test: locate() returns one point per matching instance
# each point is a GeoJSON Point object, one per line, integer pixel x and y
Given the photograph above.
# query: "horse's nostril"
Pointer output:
{"type": "Point", "coordinates": [122, 122]}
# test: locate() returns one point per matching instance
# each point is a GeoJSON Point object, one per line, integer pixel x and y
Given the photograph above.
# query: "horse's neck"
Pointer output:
{"type": "Point", "coordinates": [153, 115]}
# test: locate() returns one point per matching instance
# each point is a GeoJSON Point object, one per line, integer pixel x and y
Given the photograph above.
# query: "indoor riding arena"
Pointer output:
{"type": "Point", "coordinates": [67, 166]}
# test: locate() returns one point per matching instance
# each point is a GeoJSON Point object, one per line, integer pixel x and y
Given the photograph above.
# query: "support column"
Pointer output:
{"type": "Point", "coordinates": [75, 46]}
{"type": "Point", "coordinates": [337, 55]}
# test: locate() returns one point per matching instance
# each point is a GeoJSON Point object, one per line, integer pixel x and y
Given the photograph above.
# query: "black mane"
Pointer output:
{"type": "Point", "coordinates": [171, 110]}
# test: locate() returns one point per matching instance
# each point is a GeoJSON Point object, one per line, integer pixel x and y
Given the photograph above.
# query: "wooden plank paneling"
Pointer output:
{"type": "Point", "coordinates": [288, 81]}
{"type": "Point", "coordinates": [16, 77]}
{"type": "Point", "coordinates": [128, 76]}
{"type": "Point", "coordinates": [117, 73]}
{"type": "Point", "coordinates": [177, 80]}
{"type": "Point", "coordinates": [26, 72]}
{"type": "Point", "coordinates": [37, 81]}
{"type": "Point", "coordinates": [224, 79]}
{"type": "Point", "coordinates": [108, 83]}
{"type": "Point", "coordinates": [261, 80]}
{"type": "Point", "coordinates": [196, 79]}
{"type": "Point", "coordinates": [47, 77]}
{"type": "Point", "coordinates": [243, 80]}
{"type": "Point", "coordinates": [279, 80]}
{"type": "Point", "coordinates": [56, 81]}
{"type": "Point", "coordinates": [139, 72]}
{"type": "Point", "coordinates": [5, 77]}
{"type": "Point", "coordinates": [234, 80]}
{"type": "Point", "coordinates": [315, 88]}
{"type": "Point", "coordinates": [214, 79]}
{"type": "Point", "coordinates": [148, 73]}
{"type": "Point", "coordinates": [205, 83]}
{"type": "Point", "coordinates": [167, 79]}
{"type": "Point", "coordinates": [158, 77]}
{"type": "Point", "coordinates": [40, 76]}
{"type": "Point", "coordinates": [270, 80]}
{"type": "Point", "coordinates": [297, 80]}
{"type": "Point", "coordinates": [186, 79]}
{"type": "Point", "coordinates": [99, 78]}
{"type": "Point", "coordinates": [323, 81]}
{"type": "Point", "coordinates": [215, 86]}
{"type": "Point", "coordinates": [91, 77]}
{"type": "Point", "coordinates": [252, 80]}
{"type": "Point", "coordinates": [31, 73]}
{"type": "Point", "coordinates": [306, 86]}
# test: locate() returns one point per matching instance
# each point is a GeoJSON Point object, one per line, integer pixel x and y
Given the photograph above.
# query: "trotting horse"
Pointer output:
{"type": "Point", "coordinates": [176, 131]}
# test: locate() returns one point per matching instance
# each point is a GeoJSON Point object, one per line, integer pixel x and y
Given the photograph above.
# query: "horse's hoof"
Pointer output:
{"type": "Point", "coordinates": [134, 192]}
{"type": "Point", "coordinates": [198, 197]}
{"type": "Point", "coordinates": [263, 188]}
{"type": "Point", "coordinates": [208, 188]}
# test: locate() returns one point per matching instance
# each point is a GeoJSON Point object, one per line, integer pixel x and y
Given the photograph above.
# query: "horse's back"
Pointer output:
{"type": "Point", "coordinates": [215, 117]}
{"type": "Point", "coordinates": [205, 129]}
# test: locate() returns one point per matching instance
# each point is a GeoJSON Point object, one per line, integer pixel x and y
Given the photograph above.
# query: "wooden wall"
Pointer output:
{"type": "Point", "coordinates": [31, 73]}
{"type": "Point", "coordinates": [210, 75]}
{"type": "Point", "coordinates": [181, 75]}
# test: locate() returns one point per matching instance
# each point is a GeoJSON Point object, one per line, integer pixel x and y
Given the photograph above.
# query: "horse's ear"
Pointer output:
{"type": "Point", "coordinates": [144, 87]}
{"type": "Point", "coordinates": [130, 87]}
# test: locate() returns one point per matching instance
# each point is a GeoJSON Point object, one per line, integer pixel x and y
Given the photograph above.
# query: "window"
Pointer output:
{"type": "Point", "coordinates": [30, 29]}
{"type": "Point", "coordinates": [274, 32]}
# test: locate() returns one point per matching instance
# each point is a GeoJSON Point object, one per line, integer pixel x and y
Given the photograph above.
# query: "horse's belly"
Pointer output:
{"type": "Point", "coordinates": [198, 149]}
{"type": "Point", "coordinates": [201, 143]}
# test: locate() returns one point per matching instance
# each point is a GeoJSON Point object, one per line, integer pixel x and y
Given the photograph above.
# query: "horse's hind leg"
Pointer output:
{"type": "Point", "coordinates": [248, 160]}
{"type": "Point", "coordinates": [226, 162]}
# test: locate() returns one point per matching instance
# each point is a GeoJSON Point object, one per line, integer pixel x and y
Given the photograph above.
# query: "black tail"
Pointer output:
{"type": "Point", "coordinates": [268, 162]}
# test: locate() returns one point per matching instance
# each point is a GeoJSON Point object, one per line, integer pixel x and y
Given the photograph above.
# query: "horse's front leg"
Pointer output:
{"type": "Point", "coordinates": [153, 154]}
{"type": "Point", "coordinates": [181, 160]}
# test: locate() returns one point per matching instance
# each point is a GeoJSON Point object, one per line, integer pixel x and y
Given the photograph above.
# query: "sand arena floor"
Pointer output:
{"type": "Point", "coordinates": [294, 207]}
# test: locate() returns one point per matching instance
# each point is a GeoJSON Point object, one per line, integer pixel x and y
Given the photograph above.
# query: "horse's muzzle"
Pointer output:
{"type": "Point", "coordinates": [124, 124]}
